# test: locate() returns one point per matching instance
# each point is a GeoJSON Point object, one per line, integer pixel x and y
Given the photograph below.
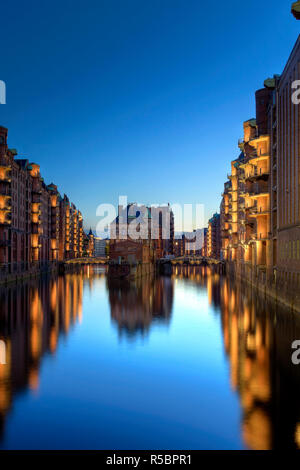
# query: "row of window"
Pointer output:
{"type": "Point", "coordinates": [290, 250]}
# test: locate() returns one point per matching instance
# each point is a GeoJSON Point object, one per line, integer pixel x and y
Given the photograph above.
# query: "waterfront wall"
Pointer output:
{"type": "Point", "coordinates": [130, 271]}
{"type": "Point", "coordinates": [269, 282]}
{"type": "Point", "coordinates": [29, 272]}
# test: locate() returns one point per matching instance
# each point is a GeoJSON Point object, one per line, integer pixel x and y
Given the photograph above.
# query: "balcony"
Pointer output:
{"type": "Point", "coordinates": [5, 190]}
{"type": "Point", "coordinates": [241, 143]}
{"type": "Point", "coordinates": [259, 237]}
{"type": "Point", "coordinates": [248, 222]}
{"type": "Point", "coordinates": [262, 236]}
{"type": "Point", "coordinates": [254, 159]}
{"type": "Point", "coordinates": [5, 202]}
{"type": "Point", "coordinates": [36, 191]}
{"type": "Point", "coordinates": [34, 228]}
{"type": "Point", "coordinates": [36, 198]}
{"type": "Point", "coordinates": [5, 174]}
{"type": "Point", "coordinates": [5, 217]}
{"type": "Point", "coordinates": [256, 175]}
{"type": "Point", "coordinates": [243, 192]}
{"type": "Point", "coordinates": [36, 187]}
{"type": "Point", "coordinates": [296, 10]}
{"type": "Point", "coordinates": [259, 189]}
{"type": "Point", "coordinates": [36, 208]}
{"type": "Point", "coordinates": [36, 218]}
{"type": "Point", "coordinates": [257, 211]}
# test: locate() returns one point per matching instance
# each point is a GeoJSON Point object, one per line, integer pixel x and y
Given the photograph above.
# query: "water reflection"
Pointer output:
{"type": "Point", "coordinates": [204, 277]}
{"type": "Point", "coordinates": [33, 316]}
{"type": "Point", "coordinates": [137, 305]}
{"type": "Point", "coordinates": [257, 337]}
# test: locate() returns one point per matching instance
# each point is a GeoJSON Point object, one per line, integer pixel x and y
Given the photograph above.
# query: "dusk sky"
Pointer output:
{"type": "Point", "coordinates": [138, 98]}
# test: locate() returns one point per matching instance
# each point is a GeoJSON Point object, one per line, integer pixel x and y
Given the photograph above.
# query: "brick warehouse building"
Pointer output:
{"type": "Point", "coordinates": [260, 209]}
{"type": "Point", "coordinates": [287, 161]}
{"type": "Point", "coordinates": [214, 237]}
{"type": "Point", "coordinates": [160, 232]}
{"type": "Point", "coordinates": [37, 226]}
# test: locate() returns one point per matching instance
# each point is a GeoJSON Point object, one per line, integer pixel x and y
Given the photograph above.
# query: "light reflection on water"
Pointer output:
{"type": "Point", "coordinates": [187, 362]}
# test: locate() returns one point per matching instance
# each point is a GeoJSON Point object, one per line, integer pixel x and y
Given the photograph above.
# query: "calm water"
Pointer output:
{"type": "Point", "coordinates": [188, 362]}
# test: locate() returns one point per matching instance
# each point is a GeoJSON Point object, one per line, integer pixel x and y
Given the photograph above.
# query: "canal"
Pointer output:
{"type": "Point", "coordinates": [183, 362]}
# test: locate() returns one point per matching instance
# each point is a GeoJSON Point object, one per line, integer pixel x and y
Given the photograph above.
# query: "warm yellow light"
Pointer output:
{"type": "Point", "coordinates": [34, 240]}
{"type": "Point", "coordinates": [35, 218]}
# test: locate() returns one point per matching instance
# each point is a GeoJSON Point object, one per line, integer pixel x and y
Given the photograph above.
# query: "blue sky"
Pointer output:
{"type": "Point", "coordinates": [137, 98]}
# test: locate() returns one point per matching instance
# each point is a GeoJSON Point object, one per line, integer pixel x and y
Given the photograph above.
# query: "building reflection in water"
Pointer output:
{"type": "Point", "coordinates": [257, 336]}
{"type": "Point", "coordinates": [33, 316]}
{"type": "Point", "coordinates": [202, 277]}
{"type": "Point", "coordinates": [136, 305]}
